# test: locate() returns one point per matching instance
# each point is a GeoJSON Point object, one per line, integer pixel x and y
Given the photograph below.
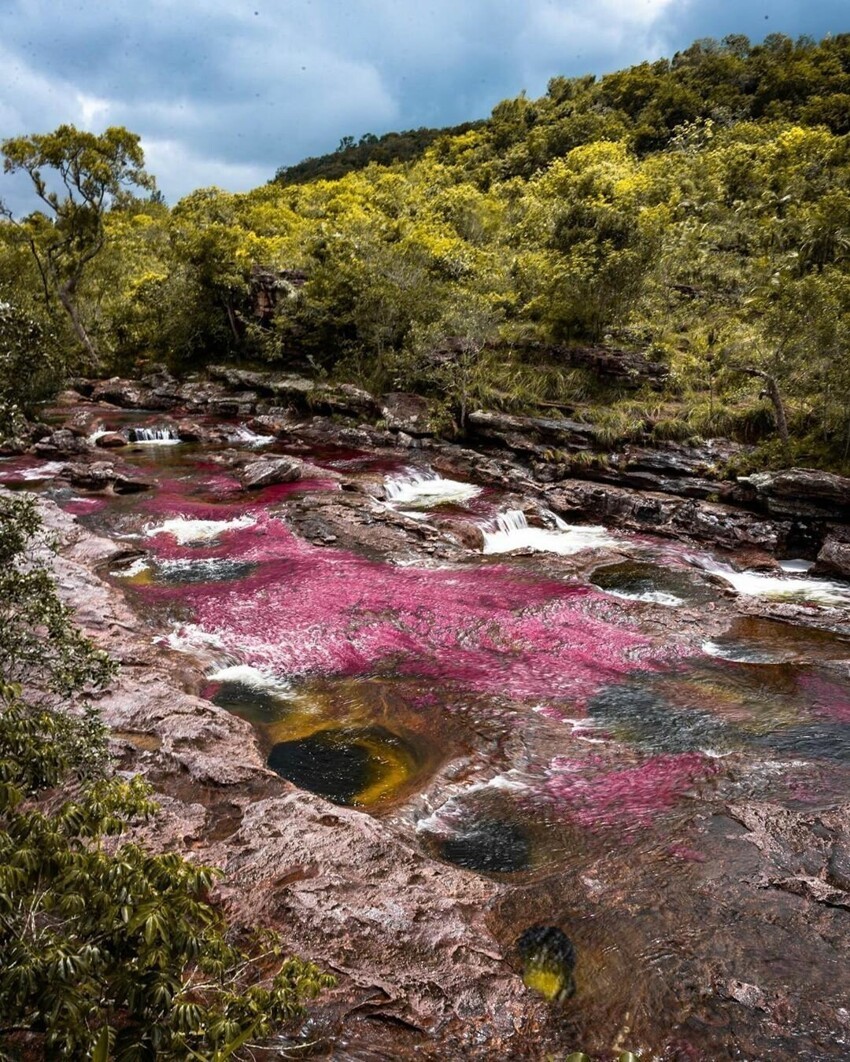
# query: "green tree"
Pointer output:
{"type": "Point", "coordinates": [77, 176]}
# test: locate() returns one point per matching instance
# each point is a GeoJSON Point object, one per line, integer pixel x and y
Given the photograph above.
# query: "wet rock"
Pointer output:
{"type": "Point", "coordinates": [834, 556]}
{"type": "Point", "coordinates": [101, 476]}
{"type": "Point", "coordinates": [61, 443]}
{"type": "Point", "coordinates": [269, 470]}
{"type": "Point", "coordinates": [95, 477]}
{"type": "Point", "coordinates": [189, 431]}
{"type": "Point", "coordinates": [468, 534]}
{"type": "Point", "coordinates": [407, 413]}
{"type": "Point", "coordinates": [838, 867]}
{"type": "Point", "coordinates": [494, 846]}
{"type": "Point", "coordinates": [130, 484]}
{"type": "Point", "coordinates": [278, 425]}
{"type": "Point", "coordinates": [801, 491]}
{"type": "Point", "coordinates": [665, 514]}
{"type": "Point", "coordinates": [111, 441]}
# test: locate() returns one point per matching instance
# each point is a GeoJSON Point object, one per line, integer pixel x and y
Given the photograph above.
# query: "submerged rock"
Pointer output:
{"type": "Point", "coordinates": [494, 846]}
{"type": "Point", "coordinates": [548, 959]}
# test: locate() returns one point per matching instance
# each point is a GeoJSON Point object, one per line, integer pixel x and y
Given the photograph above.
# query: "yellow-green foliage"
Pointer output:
{"type": "Point", "coordinates": [695, 210]}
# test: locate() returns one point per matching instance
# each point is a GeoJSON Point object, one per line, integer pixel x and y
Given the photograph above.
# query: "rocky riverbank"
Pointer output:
{"type": "Point", "coordinates": [749, 924]}
{"type": "Point", "coordinates": [670, 489]}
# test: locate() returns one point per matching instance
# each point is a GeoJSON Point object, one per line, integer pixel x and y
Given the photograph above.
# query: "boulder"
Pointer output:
{"type": "Point", "coordinates": [61, 443]}
{"type": "Point", "coordinates": [834, 556]}
{"type": "Point", "coordinates": [190, 431]}
{"type": "Point", "coordinates": [103, 476]}
{"type": "Point", "coordinates": [269, 470]}
{"type": "Point", "coordinates": [271, 424]}
{"type": "Point", "coordinates": [407, 413]}
{"type": "Point", "coordinates": [111, 441]}
{"type": "Point", "coordinates": [464, 532]}
{"type": "Point", "coordinates": [117, 392]}
{"type": "Point", "coordinates": [97, 476]}
{"type": "Point", "coordinates": [806, 491]}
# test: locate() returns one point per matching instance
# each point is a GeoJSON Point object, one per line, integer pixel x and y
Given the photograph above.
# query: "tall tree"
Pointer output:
{"type": "Point", "coordinates": [78, 177]}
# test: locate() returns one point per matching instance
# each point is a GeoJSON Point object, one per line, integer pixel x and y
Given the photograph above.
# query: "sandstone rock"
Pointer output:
{"type": "Point", "coordinates": [468, 534]}
{"type": "Point", "coordinates": [406, 413]}
{"type": "Point", "coordinates": [97, 476]}
{"type": "Point", "coordinates": [111, 441]}
{"type": "Point", "coordinates": [269, 470]}
{"type": "Point", "coordinates": [561, 432]}
{"type": "Point", "coordinates": [61, 443]}
{"type": "Point", "coordinates": [271, 424]}
{"type": "Point", "coordinates": [802, 490]}
{"type": "Point", "coordinates": [666, 514]}
{"type": "Point", "coordinates": [834, 556]}
{"type": "Point", "coordinates": [124, 393]}
{"type": "Point", "coordinates": [345, 399]}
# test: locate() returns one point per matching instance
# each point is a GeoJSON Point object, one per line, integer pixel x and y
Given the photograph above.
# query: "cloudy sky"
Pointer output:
{"type": "Point", "coordinates": [225, 91]}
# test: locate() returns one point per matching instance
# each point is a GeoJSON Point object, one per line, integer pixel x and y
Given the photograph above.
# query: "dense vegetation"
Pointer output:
{"type": "Point", "coordinates": [358, 154]}
{"type": "Point", "coordinates": [694, 211]}
{"type": "Point", "coordinates": [108, 950]}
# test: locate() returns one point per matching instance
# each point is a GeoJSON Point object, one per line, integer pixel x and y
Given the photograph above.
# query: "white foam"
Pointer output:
{"type": "Point", "coordinates": [654, 597]}
{"type": "Point", "coordinates": [742, 654]}
{"type": "Point", "coordinates": [780, 587]}
{"type": "Point", "coordinates": [185, 530]}
{"type": "Point", "coordinates": [422, 490]}
{"type": "Point", "coordinates": [139, 565]}
{"type": "Point", "coordinates": [153, 436]}
{"type": "Point", "coordinates": [796, 565]}
{"type": "Point", "coordinates": [252, 677]}
{"type": "Point", "coordinates": [246, 437]}
{"type": "Point", "coordinates": [511, 532]}
{"type": "Point", "coordinates": [190, 638]}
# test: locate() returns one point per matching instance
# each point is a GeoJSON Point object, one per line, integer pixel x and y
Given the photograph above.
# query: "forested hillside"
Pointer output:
{"type": "Point", "coordinates": [664, 250]}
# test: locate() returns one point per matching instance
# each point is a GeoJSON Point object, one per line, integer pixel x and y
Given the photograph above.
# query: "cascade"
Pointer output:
{"type": "Point", "coordinates": [796, 587]}
{"type": "Point", "coordinates": [423, 489]}
{"type": "Point", "coordinates": [512, 531]}
{"type": "Point", "coordinates": [153, 436]}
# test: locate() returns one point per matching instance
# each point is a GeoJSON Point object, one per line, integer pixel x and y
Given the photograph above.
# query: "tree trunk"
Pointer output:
{"type": "Point", "coordinates": [774, 394]}
{"type": "Point", "coordinates": [66, 298]}
{"type": "Point", "coordinates": [231, 317]}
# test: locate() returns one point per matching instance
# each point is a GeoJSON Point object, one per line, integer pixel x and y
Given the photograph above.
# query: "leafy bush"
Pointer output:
{"type": "Point", "coordinates": [31, 368]}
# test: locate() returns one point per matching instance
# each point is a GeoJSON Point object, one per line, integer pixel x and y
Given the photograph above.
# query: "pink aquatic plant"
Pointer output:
{"type": "Point", "coordinates": [595, 795]}
{"type": "Point", "coordinates": [308, 610]}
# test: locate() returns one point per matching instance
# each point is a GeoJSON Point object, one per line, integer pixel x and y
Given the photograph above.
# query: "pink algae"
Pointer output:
{"type": "Point", "coordinates": [828, 699]}
{"type": "Point", "coordinates": [595, 796]}
{"type": "Point", "coordinates": [309, 610]}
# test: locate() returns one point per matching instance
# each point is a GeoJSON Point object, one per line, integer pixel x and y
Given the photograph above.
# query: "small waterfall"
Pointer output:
{"type": "Point", "coordinates": [791, 587]}
{"type": "Point", "coordinates": [153, 436]}
{"type": "Point", "coordinates": [423, 489]}
{"type": "Point", "coordinates": [187, 531]}
{"type": "Point", "coordinates": [512, 531]}
{"type": "Point", "coordinates": [243, 436]}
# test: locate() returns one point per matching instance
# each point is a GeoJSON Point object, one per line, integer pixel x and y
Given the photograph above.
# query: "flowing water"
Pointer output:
{"type": "Point", "coordinates": [569, 708]}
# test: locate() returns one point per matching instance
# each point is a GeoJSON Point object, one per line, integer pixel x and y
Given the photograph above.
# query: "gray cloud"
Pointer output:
{"type": "Point", "coordinates": [225, 91]}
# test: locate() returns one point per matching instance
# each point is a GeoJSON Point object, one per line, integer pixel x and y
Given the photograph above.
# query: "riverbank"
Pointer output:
{"type": "Point", "coordinates": [639, 757]}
